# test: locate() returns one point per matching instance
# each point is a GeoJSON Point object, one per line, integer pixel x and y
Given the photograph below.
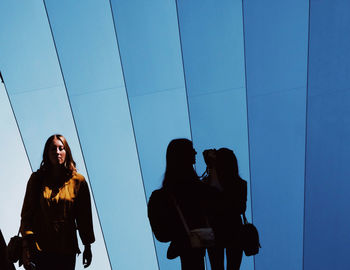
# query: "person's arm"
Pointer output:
{"type": "Point", "coordinates": [28, 214]}
{"type": "Point", "coordinates": [29, 206]}
{"type": "Point", "coordinates": [87, 255]}
{"type": "Point", "coordinates": [213, 178]}
{"type": "Point", "coordinates": [243, 202]}
{"type": "Point", "coordinates": [84, 221]}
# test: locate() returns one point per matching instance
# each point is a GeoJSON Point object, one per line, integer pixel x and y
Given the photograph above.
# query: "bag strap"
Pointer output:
{"type": "Point", "coordinates": [183, 220]}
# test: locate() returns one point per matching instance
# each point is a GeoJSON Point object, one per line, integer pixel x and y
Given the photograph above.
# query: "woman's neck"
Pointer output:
{"type": "Point", "coordinates": [56, 172]}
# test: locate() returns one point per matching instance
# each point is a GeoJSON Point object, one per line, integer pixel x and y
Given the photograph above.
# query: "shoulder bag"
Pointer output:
{"type": "Point", "coordinates": [199, 237]}
{"type": "Point", "coordinates": [14, 249]}
{"type": "Point", "coordinates": [250, 238]}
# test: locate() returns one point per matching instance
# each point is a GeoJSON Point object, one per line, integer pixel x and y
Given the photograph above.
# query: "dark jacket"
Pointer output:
{"type": "Point", "coordinates": [53, 214]}
{"type": "Point", "coordinates": [228, 207]}
{"type": "Point", "coordinates": [192, 197]}
{"type": "Point", "coordinates": [5, 264]}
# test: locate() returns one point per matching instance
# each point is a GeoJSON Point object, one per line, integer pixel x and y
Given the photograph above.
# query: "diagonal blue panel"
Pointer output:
{"type": "Point", "coordinates": [327, 222]}
{"type": "Point", "coordinates": [213, 56]}
{"type": "Point", "coordinates": [14, 170]}
{"type": "Point", "coordinates": [276, 43]}
{"type": "Point", "coordinates": [37, 93]}
{"type": "Point", "coordinates": [150, 51]}
{"type": "Point", "coordinates": [88, 53]}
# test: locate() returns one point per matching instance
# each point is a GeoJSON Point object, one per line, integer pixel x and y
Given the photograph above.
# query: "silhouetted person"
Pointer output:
{"type": "Point", "coordinates": [5, 264]}
{"type": "Point", "coordinates": [180, 184]}
{"type": "Point", "coordinates": [231, 203]}
{"type": "Point", "coordinates": [56, 204]}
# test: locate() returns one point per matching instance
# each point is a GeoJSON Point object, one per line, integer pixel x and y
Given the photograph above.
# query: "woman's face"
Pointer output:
{"type": "Point", "coordinates": [193, 154]}
{"type": "Point", "coordinates": [57, 153]}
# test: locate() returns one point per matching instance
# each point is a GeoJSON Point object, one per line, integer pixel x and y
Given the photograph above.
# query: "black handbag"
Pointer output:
{"type": "Point", "coordinates": [250, 238]}
{"type": "Point", "coordinates": [14, 249]}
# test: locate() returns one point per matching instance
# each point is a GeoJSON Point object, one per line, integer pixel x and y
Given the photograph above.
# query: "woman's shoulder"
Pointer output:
{"type": "Point", "coordinates": [235, 185]}
{"type": "Point", "coordinates": [242, 186]}
{"type": "Point", "coordinates": [163, 196]}
{"type": "Point", "coordinates": [158, 200]}
{"type": "Point", "coordinates": [36, 177]}
{"type": "Point", "coordinates": [35, 181]}
{"type": "Point", "coordinates": [158, 193]}
{"type": "Point", "coordinates": [78, 177]}
{"type": "Point", "coordinates": [243, 182]}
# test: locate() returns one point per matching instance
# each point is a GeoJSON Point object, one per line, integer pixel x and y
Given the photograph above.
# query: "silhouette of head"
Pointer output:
{"type": "Point", "coordinates": [180, 152]}
{"type": "Point", "coordinates": [57, 153]}
{"type": "Point", "coordinates": [180, 157]}
{"type": "Point", "coordinates": [227, 165]}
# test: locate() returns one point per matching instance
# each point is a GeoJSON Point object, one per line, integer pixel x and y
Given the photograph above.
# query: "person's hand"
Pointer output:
{"type": "Point", "coordinates": [87, 256]}
{"type": "Point", "coordinates": [27, 252]}
{"type": "Point", "coordinates": [27, 259]}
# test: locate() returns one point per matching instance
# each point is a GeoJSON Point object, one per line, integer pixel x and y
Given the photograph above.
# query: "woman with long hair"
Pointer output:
{"type": "Point", "coordinates": [56, 204]}
{"type": "Point", "coordinates": [182, 191]}
{"type": "Point", "coordinates": [230, 205]}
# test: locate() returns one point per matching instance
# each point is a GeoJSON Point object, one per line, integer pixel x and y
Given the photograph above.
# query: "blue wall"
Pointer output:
{"type": "Point", "coordinates": [39, 100]}
{"type": "Point", "coordinates": [89, 56]}
{"type": "Point", "coordinates": [327, 222]}
{"type": "Point", "coordinates": [276, 46]}
{"type": "Point", "coordinates": [213, 56]}
{"type": "Point", "coordinates": [151, 55]}
{"type": "Point", "coordinates": [120, 79]}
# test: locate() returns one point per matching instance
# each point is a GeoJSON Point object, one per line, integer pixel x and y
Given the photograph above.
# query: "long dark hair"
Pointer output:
{"type": "Point", "coordinates": [227, 166]}
{"type": "Point", "coordinates": [69, 163]}
{"type": "Point", "coordinates": [179, 163]}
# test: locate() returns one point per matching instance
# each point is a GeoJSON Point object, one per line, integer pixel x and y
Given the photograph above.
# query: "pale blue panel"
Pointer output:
{"type": "Point", "coordinates": [109, 150]}
{"type": "Point", "coordinates": [87, 45]}
{"type": "Point", "coordinates": [14, 172]}
{"type": "Point", "coordinates": [212, 43]}
{"type": "Point", "coordinates": [148, 37]}
{"type": "Point", "coordinates": [219, 120]}
{"type": "Point", "coordinates": [276, 35]}
{"type": "Point", "coordinates": [213, 55]}
{"type": "Point", "coordinates": [36, 90]}
{"type": "Point", "coordinates": [276, 43]}
{"type": "Point", "coordinates": [152, 122]}
{"type": "Point", "coordinates": [327, 198]}
{"type": "Point", "coordinates": [278, 190]}
{"type": "Point", "coordinates": [150, 51]}
{"type": "Point", "coordinates": [88, 52]}
{"type": "Point", "coordinates": [28, 42]}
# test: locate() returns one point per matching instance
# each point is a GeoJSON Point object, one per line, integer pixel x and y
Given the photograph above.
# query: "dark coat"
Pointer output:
{"type": "Point", "coordinates": [54, 214]}
{"type": "Point", "coordinates": [226, 218]}
{"type": "Point", "coordinates": [5, 264]}
{"type": "Point", "coordinates": [193, 198]}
